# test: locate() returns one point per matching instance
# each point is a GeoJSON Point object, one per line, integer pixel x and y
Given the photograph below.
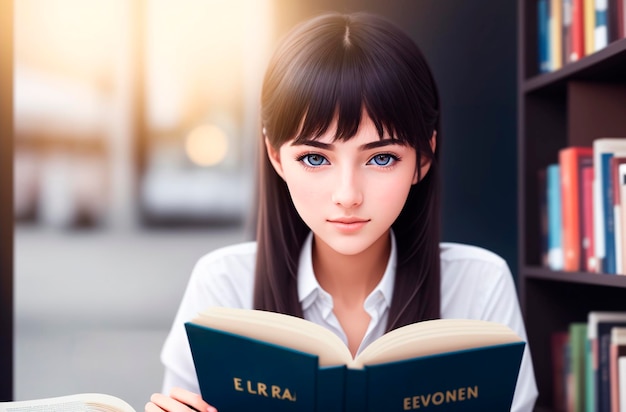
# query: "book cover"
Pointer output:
{"type": "Point", "coordinates": [558, 350]}
{"type": "Point", "coordinates": [616, 161]}
{"type": "Point", "coordinates": [572, 160]}
{"type": "Point", "coordinates": [590, 25]}
{"type": "Point", "coordinates": [578, 340]}
{"type": "Point", "coordinates": [621, 364]}
{"type": "Point", "coordinates": [556, 34]}
{"type": "Point", "coordinates": [567, 30]}
{"type": "Point", "coordinates": [618, 349]}
{"type": "Point", "coordinates": [578, 31]}
{"type": "Point", "coordinates": [613, 13]}
{"type": "Point", "coordinates": [543, 37]}
{"type": "Point", "coordinates": [599, 337]}
{"type": "Point", "coordinates": [601, 32]}
{"type": "Point", "coordinates": [622, 195]}
{"type": "Point", "coordinates": [555, 221]}
{"type": "Point", "coordinates": [238, 372]}
{"type": "Point", "coordinates": [621, 19]}
{"type": "Point", "coordinates": [569, 379]}
{"type": "Point", "coordinates": [604, 366]}
{"type": "Point", "coordinates": [591, 264]}
{"type": "Point", "coordinates": [622, 25]}
{"type": "Point", "coordinates": [604, 231]}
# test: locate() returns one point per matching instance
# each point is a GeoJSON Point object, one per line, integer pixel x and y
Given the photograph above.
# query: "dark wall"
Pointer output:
{"type": "Point", "coordinates": [471, 47]}
{"type": "Point", "coordinates": [6, 200]}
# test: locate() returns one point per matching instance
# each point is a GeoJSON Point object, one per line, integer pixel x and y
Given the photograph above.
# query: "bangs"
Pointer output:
{"type": "Point", "coordinates": [345, 93]}
{"type": "Point", "coordinates": [344, 71]}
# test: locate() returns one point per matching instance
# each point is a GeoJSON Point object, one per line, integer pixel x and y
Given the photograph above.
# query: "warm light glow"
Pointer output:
{"type": "Point", "coordinates": [206, 145]}
{"type": "Point", "coordinates": [74, 38]}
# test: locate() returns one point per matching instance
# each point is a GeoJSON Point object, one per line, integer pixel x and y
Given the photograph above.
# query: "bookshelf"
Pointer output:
{"type": "Point", "coordinates": [574, 105]}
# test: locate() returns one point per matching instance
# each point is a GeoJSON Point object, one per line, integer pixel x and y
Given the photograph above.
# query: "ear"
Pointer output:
{"type": "Point", "coordinates": [425, 166]}
{"type": "Point", "coordinates": [274, 156]}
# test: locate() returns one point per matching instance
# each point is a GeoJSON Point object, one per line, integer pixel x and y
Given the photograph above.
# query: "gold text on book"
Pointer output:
{"type": "Point", "coordinates": [439, 398]}
{"type": "Point", "coordinates": [262, 389]}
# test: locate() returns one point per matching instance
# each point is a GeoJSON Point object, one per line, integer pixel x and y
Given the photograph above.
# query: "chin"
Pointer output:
{"type": "Point", "coordinates": [349, 247]}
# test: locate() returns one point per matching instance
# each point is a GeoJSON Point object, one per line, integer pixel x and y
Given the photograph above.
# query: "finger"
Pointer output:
{"type": "Point", "coordinates": [152, 407]}
{"type": "Point", "coordinates": [168, 404]}
{"type": "Point", "coordinates": [191, 399]}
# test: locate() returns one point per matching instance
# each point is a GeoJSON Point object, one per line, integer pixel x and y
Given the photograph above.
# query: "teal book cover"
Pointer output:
{"type": "Point", "coordinates": [238, 373]}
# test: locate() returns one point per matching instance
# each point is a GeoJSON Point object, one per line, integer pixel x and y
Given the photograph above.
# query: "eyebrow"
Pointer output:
{"type": "Point", "coordinates": [366, 146]}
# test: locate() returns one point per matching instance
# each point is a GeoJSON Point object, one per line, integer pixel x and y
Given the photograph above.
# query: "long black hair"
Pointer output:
{"type": "Point", "coordinates": [331, 67]}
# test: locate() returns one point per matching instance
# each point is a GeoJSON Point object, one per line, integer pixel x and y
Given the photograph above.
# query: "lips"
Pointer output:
{"type": "Point", "coordinates": [348, 224]}
{"type": "Point", "coordinates": [348, 220]}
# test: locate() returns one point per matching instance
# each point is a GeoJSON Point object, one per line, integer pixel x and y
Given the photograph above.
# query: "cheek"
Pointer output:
{"type": "Point", "coordinates": [303, 192]}
{"type": "Point", "coordinates": [391, 195]}
{"type": "Point", "coordinates": [304, 188]}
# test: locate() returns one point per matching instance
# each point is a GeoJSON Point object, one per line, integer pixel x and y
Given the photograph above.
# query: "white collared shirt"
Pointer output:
{"type": "Point", "coordinates": [475, 284]}
{"type": "Point", "coordinates": [317, 304]}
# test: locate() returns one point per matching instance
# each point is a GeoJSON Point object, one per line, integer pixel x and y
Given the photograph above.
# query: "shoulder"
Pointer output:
{"type": "Point", "coordinates": [471, 267]}
{"type": "Point", "coordinates": [237, 254]}
{"type": "Point", "coordinates": [457, 253]}
{"type": "Point", "coordinates": [472, 279]}
{"type": "Point", "coordinates": [226, 275]}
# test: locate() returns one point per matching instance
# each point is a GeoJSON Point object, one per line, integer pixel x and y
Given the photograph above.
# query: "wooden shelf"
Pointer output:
{"type": "Point", "coordinates": [607, 65]}
{"type": "Point", "coordinates": [586, 278]}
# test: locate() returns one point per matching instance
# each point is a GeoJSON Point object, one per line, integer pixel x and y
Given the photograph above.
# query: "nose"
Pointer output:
{"type": "Point", "coordinates": [347, 192]}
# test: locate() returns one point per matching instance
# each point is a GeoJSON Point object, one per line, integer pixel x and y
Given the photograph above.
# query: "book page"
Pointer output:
{"type": "Point", "coordinates": [433, 337]}
{"type": "Point", "coordinates": [84, 402]}
{"type": "Point", "coordinates": [418, 339]}
{"type": "Point", "coordinates": [279, 329]}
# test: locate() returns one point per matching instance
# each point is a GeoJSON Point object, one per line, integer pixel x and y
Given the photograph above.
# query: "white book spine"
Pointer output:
{"type": "Point", "coordinates": [598, 217]}
{"type": "Point", "coordinates": [601, 31]}
{"type": "Point", "coordinates": [621, 380]}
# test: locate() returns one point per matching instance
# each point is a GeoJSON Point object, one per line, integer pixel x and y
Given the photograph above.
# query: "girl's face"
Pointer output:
{"type": "Point", "coordinates": [348, 193]}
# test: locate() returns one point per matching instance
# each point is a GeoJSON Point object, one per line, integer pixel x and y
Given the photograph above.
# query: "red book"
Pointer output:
{"type": "Point", "coordinates": [621, 19]}
{"type": "Point", "coordinates": [578, 30]}
{"type": "Point", "coordinates": [618, 348]}
{"type": "Point", "coordinates": [591, 263]}
{"type": "Point", "coordinates": [559, 342]}
{"type": "Point", "coordinates": [572, 160]}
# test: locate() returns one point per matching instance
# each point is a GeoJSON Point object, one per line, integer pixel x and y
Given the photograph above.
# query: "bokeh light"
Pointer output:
{"type": "Point", "coordinates": [206, 145]}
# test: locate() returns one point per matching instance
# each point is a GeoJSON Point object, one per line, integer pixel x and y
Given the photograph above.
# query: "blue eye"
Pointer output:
{"type": "Point", "coordinates": [313, 160]}
{"type": "Point", "coordinates": [383, 159]}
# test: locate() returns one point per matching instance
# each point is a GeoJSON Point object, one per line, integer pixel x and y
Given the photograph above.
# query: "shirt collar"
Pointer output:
{"type": "Point", "coordinates": [309, 288]}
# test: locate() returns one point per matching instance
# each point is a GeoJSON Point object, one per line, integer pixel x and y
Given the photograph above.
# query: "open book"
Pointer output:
{"type": "Point", "coordinates": [269, 361]}
{"type": "Point", "coordinates": [82, 402]}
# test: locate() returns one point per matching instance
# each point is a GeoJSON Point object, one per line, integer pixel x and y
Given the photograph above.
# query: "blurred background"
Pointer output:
{"type": "Point", "coordinates": [136, 126]}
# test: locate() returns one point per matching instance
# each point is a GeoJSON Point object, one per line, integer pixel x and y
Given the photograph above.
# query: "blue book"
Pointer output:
{"type": "Point", "coordinates": [543, 24]}
{"type": "Point", "coordinates": [609, 264]}
{"type": "Point", "coordinates": [263, 361]}
{"type": "Point", "coordinates": [555, 222]}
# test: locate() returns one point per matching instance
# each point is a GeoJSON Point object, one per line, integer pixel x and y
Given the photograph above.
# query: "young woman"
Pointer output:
{"type": "Point", "coordinates": [349, 213]}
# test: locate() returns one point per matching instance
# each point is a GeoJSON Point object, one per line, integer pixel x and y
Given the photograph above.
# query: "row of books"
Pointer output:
{"type": "Point", "coordinates": [583, 222]}
{"type": "Point", "coordinates": [589, 364]}
{"type": "Point", "coordinates": [571, 29]}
